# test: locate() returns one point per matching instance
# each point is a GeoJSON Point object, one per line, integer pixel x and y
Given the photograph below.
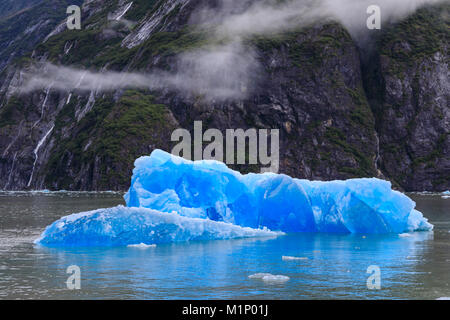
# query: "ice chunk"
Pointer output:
{"type": "Point", "coordinates": [171, 199]}
{"type": "Point", "coordinates": [121, 226]}
{"type": "Point", "coordinates": [405, 235]}
{"type": "Point", "coordinates": [210, 190]}
{"type": "Point", "coordinates": [288, 258]}
{"type": "Point", "coordinates": [141, 246]}
{"type": "Point", "coordinates": [267, 277]}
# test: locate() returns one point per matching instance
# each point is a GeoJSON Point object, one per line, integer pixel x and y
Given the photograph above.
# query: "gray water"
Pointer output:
{"type": "Point", "coordinates": [333, 266]}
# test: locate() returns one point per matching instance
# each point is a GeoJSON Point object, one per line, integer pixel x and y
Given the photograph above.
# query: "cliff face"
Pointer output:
{"type": "Point", "coordinates": [411, 101]}
{"type": "Point", "coordinates": [11, 7]}
{"type": "Point", "coordinates": [338, 118]}
{"type": "Point", "coordinates": [24, 24]}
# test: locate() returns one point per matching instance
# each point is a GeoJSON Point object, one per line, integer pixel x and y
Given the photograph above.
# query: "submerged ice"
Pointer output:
{"type": "Point", "coordinates": [171, 199]}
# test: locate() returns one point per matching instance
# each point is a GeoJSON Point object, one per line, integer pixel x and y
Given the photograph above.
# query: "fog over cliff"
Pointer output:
{"type": "Point", "coordinates": [225, 71]}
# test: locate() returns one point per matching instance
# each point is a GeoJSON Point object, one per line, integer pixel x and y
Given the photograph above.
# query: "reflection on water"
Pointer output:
{"type": "Point", "coordinates": [334, 266]}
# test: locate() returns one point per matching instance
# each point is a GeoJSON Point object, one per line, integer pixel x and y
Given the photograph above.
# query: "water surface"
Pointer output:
{"type": "Point", "coordinates": [333, 266]}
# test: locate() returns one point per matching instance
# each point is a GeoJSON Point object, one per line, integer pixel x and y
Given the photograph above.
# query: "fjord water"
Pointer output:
{"type": "Point", "coordinates": [332, 266]}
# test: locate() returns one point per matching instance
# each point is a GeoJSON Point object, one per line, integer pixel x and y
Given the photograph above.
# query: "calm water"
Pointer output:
{"type": "Point", "coordinates": [334, 267]}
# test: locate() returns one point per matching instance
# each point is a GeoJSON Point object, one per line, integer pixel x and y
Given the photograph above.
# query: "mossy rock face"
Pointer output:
{"type": "Point", "coordinates": [12, 112]}
{"type": "Point", "coordinates": [107, 140]}
{"type": "Point", "coordinates": [21, 31]}
{"type": "Point", "coordinates": [411, 98]}
{"type": "Point", "coordinates": [419, 36]}
{"type": "Point", "coordinates": [337, 118]}
{"type": "Point", "coordinates": [140, 9]}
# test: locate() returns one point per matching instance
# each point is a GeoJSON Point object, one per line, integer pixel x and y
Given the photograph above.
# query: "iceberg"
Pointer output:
{"type": "Point", "coordinates": [122, 226]}
{"type": "Point", "coordinates": [172, 199]}
{"type": "Point", "coordinates": [210, 190]}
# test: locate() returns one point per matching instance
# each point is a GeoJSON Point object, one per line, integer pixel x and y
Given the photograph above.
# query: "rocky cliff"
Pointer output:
{"type": "Point", "coordinates": [343, 110]}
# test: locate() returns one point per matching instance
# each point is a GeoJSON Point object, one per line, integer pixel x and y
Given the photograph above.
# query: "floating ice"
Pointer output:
{"type": "Point", "coordinates": [288, 258]}
{"type": "Point", "coordinates": [405, 235]}
{"type": "Point", "coordinates": [210, 190]}
{"type": "Point", "coordinates": [267, 277]}
{"type": "Point", "coordinates": [172, 199]}
{"type": "Point", "coordinates": [142, 246]}
{"type": "Point", "coordinates": [121, 226]}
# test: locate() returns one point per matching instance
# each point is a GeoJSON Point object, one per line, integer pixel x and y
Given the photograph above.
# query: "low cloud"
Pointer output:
{"type": "Point", "coordinates": [216, 72]}
{"type": "Point", "coordinates": [226, 71]}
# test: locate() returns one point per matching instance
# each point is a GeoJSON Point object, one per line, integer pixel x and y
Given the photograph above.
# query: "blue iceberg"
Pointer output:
{"type": "Point", "coordinates": [122, 226]}
{"type": "Point", "coordinates": [172, 199]}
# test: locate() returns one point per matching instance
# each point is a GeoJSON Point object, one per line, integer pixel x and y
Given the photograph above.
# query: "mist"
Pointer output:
{"type": "Point", "coordinates": [219, 72]}
{"type": "Point", "coordinates": [266, 17]}
{"type": "Point", "coordinates": [215, 73]}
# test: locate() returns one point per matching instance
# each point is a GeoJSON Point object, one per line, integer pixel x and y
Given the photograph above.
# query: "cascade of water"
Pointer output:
{"type": "Point", "coordinates": [47, 93]}
{"type": "Point", "coordinates": [76, 87]}
{"type": "Point", "coordinates": [81, 113]}
{"type": "Point", "coordinates": [377, 157]}
{"type": "Point", "coordinates": [36, 153]}
{"type": "Point", "coordinates": [124, 11]}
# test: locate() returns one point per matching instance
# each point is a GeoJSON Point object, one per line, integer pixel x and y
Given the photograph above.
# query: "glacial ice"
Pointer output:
{"type": "Point", "coordinates": [268, 277]}
{"type": "Point", "coordinates": [289, 258]}
{"type": "Point", "coordinates": [210, 190]}
{"type": "Point", "coordinates": [171, 199]}
{"type": "Point", "coordinates": [122, 226]}
{"type": "Point", "coordinates": [141, 246]}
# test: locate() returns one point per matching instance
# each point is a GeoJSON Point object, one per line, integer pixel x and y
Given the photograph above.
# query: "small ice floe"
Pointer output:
{"type": "Point", "coordinates": [141, 246]}
{"type": "Point", "coordinates": [446, 192]}
{"type": "Point", "coordinates": [289, 258]}
{"type": "Point", "coordinates": [405, 235]}
{"type": "Point", "coordinates": [268, 277]}
{"type": "Point", "coordinates": [443, 298]}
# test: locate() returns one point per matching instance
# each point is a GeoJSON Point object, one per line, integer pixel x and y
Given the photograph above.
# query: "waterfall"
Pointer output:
{"type": "Point", "coordinates": [81, 113]}
{"type": "Point", "coordinates": [47, 93]}
{"type": "Point", "coordinates": [76, 87]}
{"type": "Point", "coordinates": [124, 11]}
{"type": "Point", "coordinates": [36, 153]}
{"type": "Point", "coordinates": [377, 157]}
